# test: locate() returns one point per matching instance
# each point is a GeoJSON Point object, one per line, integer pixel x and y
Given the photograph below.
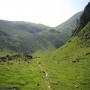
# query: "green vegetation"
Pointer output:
{"type": "Point", "coordinates": [67, 68]}
{"type": "Point", "coordinates": [24, 76]}
{"type": "Point", "coordinates": [29, 37]}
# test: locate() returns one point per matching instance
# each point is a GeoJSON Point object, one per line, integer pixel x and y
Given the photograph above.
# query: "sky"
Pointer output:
{"type": "Point", "coordinates": [48, 12]}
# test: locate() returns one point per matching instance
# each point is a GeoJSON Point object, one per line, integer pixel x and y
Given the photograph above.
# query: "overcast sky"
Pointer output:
{"type": "Point", "coordinates": [48, 12]}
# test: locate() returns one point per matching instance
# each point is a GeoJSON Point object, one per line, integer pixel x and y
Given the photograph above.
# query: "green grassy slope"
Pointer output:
{"type": "Point", "coordinates": [67, 68]}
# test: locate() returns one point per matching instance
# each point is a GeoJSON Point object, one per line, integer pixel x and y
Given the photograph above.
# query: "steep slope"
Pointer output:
{"type": "Point", "coordinates": [69, 26]}
{"type": "Point", "coordinates": [69, 67]}
{"type": "Point", "coordinates": [29, 37]}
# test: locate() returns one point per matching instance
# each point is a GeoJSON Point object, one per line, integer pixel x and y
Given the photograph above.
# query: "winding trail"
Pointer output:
{"type": "Point", "coordinates": [45, 76]}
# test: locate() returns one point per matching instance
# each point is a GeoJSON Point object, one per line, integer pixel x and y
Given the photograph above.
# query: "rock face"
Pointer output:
{"type": "Point", "coordinates": [84, 19]}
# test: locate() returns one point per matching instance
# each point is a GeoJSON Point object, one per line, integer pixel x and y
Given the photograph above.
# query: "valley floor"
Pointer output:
{"type": "Point", "coordinates": [67, 68]}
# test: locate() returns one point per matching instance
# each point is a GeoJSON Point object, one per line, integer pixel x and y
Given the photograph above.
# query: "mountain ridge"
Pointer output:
{"type": "Point", "coordinates": [20, 32]}
{"type": "Point", "coordinates": [30, 37]}
{"type": "Point", "coordinates": [70, 25]}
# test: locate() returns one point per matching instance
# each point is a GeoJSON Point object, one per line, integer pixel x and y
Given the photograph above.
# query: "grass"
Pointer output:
{"type": "Point", "coordinates": [68, 68]}
{"type": "Point", "coordinates": [64, 74]}
{"type": "Point", "coordinates": [25, 76]}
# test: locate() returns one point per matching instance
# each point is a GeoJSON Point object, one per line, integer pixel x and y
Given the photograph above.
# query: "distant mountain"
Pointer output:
{"type": "Point", "coordinates": [69, 26]}
{"type": "Point", "coordinates": [29, 37]}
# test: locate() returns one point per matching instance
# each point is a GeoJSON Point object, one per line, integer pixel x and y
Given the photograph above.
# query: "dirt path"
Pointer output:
{"type": "Point", "coordinates": [45, 76]}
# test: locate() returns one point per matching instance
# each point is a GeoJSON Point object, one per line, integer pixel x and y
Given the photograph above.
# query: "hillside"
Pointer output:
{"type": "Point", "coordinates": [29, 37]}
{"type": "Point", "coordinates": [67, 68]}
{"type": "Point", "coordinates": [69, 26]}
